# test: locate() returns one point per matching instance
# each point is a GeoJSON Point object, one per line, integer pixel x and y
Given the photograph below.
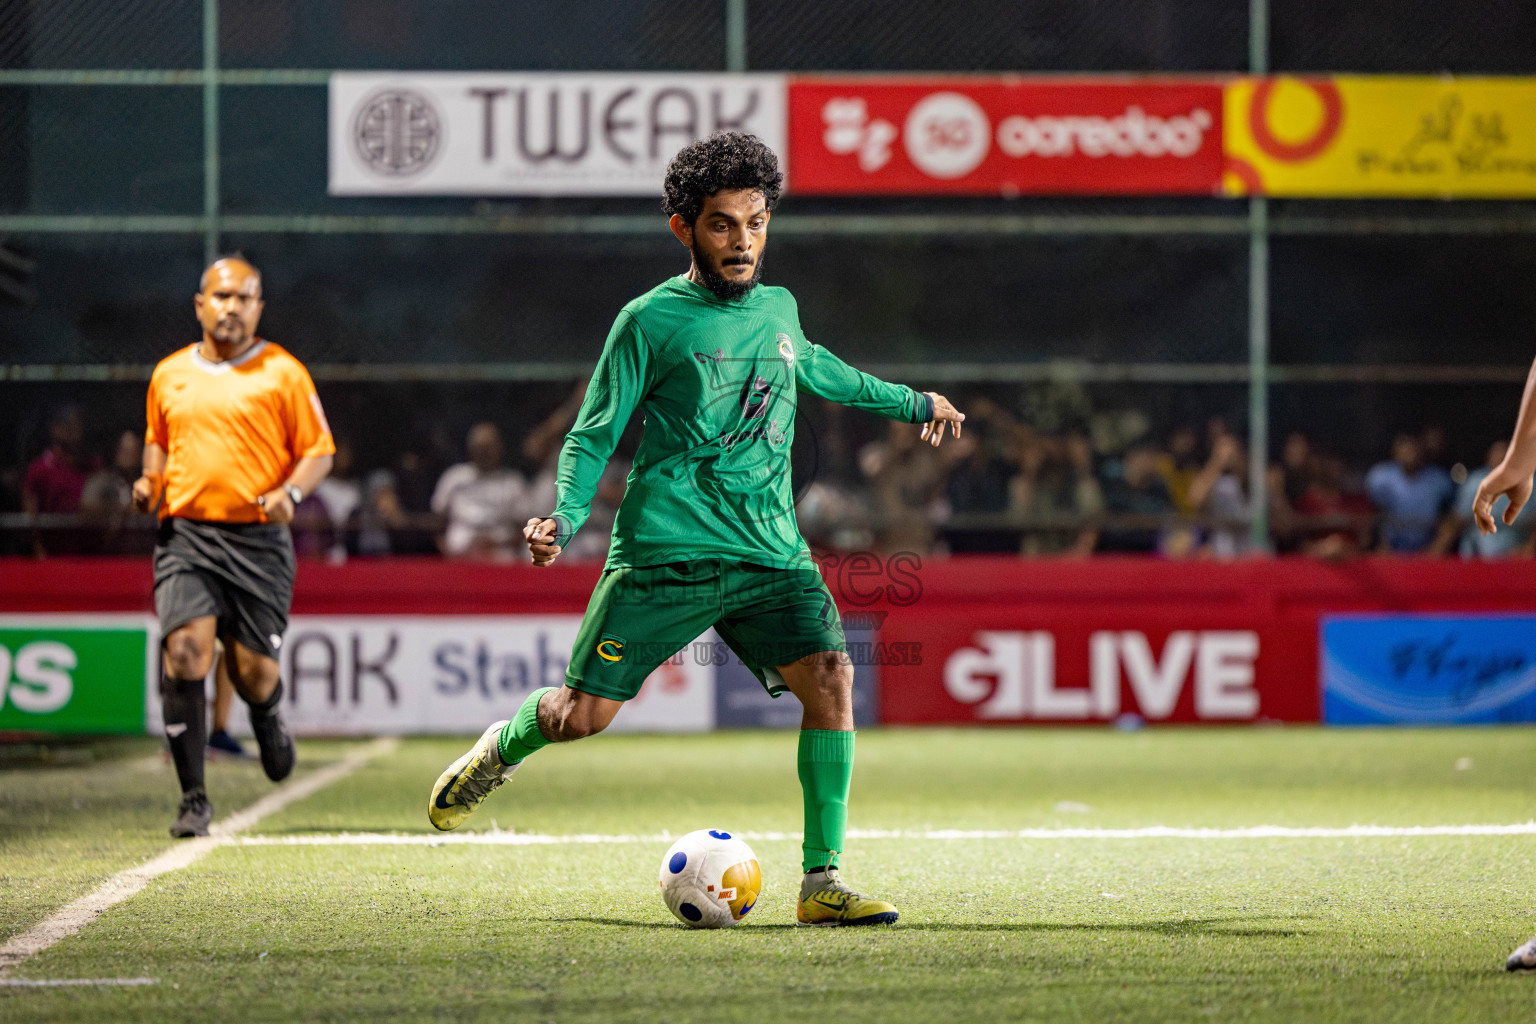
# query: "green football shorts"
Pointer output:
{"type": "Point", "coordinates": [641, 617]}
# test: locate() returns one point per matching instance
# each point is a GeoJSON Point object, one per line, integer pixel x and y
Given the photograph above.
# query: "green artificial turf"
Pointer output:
{"type": "Point", "coordinates": [1278, 929]}
{"type": "Point", "coordinates": [72, 815]}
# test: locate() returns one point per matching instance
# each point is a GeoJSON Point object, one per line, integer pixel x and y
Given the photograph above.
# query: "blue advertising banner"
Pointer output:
{"type": "Point", "coordinates": [1428, 669]}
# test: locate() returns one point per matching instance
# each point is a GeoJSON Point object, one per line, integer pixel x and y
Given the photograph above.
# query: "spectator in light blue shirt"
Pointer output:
{"type": "Point", "coordinates": [1412, 496]}
{"type": "Point", "coordinates": [1517, 541]}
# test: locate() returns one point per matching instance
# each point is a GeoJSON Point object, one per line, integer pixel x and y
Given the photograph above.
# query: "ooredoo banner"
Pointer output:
{"type": "Point", "coordinates": [453, 133]}
{"type": "Point", "coordinates": [1004, 136]}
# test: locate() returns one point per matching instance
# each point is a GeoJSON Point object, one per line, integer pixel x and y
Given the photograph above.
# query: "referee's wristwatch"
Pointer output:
{"type": "Point", "coordinates": [295, 493]}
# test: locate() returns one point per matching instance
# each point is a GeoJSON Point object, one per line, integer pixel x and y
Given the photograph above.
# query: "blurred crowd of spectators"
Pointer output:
{"type": "Point", "coordinates": [1004, 486]}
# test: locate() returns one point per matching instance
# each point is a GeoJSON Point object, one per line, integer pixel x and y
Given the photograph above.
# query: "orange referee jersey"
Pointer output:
{"type": "Point", "coordinates": [233, 430]}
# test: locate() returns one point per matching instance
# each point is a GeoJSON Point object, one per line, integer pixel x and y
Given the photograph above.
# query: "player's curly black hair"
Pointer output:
{"type": "Point", "coordinates": [723, 162]}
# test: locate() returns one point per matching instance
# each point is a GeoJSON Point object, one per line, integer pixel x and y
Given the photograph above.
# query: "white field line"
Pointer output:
{"type": "Point", "coordinates": [72, 982]}
{"type": "Point", "coordinates": [943, 835]}
{"type": "Point", "coordinates": [74, 916]}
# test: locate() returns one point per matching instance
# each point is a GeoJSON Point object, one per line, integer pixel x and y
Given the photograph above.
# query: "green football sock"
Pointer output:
{"type": "Point", "coordinates": [826, 769]}
{"type": "Point", "coordinates": [522, 736]}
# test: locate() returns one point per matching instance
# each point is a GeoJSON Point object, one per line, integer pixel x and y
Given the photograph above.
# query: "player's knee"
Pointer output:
{"type": "Point", "coordinates": [187, 656]}
{"type": "Point", "coordinates": [831, 672]}
{"type": "Point", "coordinates": [255, 679]}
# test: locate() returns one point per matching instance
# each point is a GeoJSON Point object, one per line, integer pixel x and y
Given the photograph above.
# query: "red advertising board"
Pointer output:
{"type": "Point", "coordinates": [1004, 642]}
{"type": "Point", "coordinates": [968, 640]}
{"type": "Point", "coordinates": [1004, 136]}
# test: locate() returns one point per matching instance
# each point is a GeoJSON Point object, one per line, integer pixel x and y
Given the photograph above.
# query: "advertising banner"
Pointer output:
{"type": "Point", "coordinates": [368, 675]}
{"type": "Point", "coordinates": [379, 674]}
{"type": "Point", "coordinates": [437, 133]}
{"type": "Point", "coordinates": [73, 674]}
{"type": "Point", "coordinates": [1004, 136]}
{"type": "Point", "coordinates": [1031, 664]}
{"type": "Point", "coordinates": [463, 133]}
{"type": "Point", "coordinates": [1428, 669]}
{"type": "Point", "coordinates": [1355, 135]}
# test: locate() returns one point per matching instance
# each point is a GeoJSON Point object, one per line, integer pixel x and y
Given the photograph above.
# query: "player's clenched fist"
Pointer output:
{"type": "Point", "coordinates": [540, 534]}
{"type": "Point", "coordinates": [277, 506]}
{"type": "Point", "coordinates": [146, 494]}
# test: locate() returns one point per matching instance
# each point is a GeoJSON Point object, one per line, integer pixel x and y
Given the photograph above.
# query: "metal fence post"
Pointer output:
{"type": "Point", "coordinates": [210, 130]}
{"type": "Point", "coordinates": [735, 35]}
{"type": "Point", "coordinates": [1258, 312]}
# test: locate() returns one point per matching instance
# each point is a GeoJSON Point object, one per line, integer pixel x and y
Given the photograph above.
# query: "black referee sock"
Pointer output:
{"type": "Point", "coordinates": [184, 706]}
{"type": "Point", "coordinates": [270, 706]}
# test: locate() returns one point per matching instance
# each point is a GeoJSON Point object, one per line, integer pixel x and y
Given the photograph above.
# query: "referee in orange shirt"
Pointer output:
{"type": "Point", "coordinates": [236, 439]}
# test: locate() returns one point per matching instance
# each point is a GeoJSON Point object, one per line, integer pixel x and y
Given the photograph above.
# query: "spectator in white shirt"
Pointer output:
{"type": "Point", "coordinates": [338, 497]}
{"type": "Point", "coordinates": [483, 502]}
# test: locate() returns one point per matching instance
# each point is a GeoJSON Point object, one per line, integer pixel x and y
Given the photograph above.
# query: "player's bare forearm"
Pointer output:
{"type": "Point", "coordinates": [944, 414]}
{"type": "Point", "coordinates": [146, 489]}
{"type": "Point", "coordinates": [540, 535]}
{"type": "Point", "coordinates": [1522, 447]}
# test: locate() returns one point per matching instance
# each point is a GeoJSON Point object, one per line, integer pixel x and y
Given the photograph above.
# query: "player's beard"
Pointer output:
{"type": "Point", "coordinates": [230, 331]}
{"type": "Point", "coordinates": [716, 282]}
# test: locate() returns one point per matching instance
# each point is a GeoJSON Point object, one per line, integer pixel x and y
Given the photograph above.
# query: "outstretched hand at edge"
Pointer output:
{"type": "Point", "coordinates": [1505, 480]}
{"type": "Point", "coordinates": [944, 414]}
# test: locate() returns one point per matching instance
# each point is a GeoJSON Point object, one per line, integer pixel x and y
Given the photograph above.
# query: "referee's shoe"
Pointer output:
{"type": "Point", "coordinates": [193, 816]}
{"type": "Point", "coordinates": [272, 736]}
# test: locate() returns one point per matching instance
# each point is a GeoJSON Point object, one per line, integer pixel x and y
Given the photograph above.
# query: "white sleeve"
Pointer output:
{"type": "Point", "coordinates": [450, 481]}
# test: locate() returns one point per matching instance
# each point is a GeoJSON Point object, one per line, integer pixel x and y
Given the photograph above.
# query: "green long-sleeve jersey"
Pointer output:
{"type": "Point", "coordinates": [718, 381]}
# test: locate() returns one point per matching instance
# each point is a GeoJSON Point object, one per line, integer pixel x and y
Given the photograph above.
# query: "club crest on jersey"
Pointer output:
{"type": "Point", "coordinates": [786, 349]}
{"type": "Point", "coordinates": [611, 648]}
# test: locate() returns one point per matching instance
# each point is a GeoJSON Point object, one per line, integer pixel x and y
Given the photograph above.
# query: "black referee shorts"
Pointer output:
{"type": "Point", "coordinates": [240, 572]}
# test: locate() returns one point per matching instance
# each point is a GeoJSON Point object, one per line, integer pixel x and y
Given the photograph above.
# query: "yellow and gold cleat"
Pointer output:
{"type": "Point", "coordinates": [826, 900]}
{"type": "Point", "coordinates": [468, 781]}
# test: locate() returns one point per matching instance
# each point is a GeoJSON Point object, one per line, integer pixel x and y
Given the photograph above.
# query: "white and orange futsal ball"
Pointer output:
{"type": "Point", "coordinates": [710, 879]}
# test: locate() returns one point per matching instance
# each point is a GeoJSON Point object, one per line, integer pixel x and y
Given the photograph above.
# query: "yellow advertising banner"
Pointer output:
{"type": "Point", "coordinates": [1354, 135]}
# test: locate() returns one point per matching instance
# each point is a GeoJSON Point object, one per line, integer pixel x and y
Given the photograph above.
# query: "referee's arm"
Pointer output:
{"type": "Point", "coordinates": [306, 476]}
{"type": "Point", "coordinates": [310, 443]}
{"type": "Point", "coordinates": [147, 488]}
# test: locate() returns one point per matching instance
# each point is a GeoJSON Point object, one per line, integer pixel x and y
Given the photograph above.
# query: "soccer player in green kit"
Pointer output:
{"type": "Point", "coordinates": [706, 533]}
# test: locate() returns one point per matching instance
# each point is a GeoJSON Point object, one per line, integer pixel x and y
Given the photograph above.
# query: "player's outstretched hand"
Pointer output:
{"type": "Point", "coordinates": [540, 534]}
{"type": "Point", "coordinates": [1503, 480]}
{"type": "Point", "coordinates": [944, 414]}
